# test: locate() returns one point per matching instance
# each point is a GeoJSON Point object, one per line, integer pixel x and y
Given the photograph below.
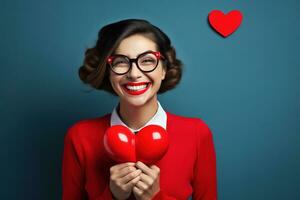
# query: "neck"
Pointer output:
{"type": "Point", "coordinates": [137, 116]}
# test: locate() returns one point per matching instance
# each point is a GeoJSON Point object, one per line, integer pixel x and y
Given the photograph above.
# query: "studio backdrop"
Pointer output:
{"type": "Point", "coordinates": [246, 87]}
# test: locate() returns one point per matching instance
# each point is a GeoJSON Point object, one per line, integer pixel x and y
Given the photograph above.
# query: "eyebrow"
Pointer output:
{"type": "Point", "coordinates": [137, 55]}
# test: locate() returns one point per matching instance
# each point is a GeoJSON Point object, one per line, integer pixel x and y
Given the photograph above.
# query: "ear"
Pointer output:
{"type": "Point", "coordinates": [163, 73]}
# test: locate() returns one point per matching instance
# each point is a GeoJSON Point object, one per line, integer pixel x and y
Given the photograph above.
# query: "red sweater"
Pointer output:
{"type": "Point", "coordinates": [188, 168]}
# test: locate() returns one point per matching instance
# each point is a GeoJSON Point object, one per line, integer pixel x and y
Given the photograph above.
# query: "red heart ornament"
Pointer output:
{"type": "Point", "coordinates": [149, 145]}
{"type": "Point", "coordinates": [225, 24]}
{"type": "Point", "coordinates": [119, 143]}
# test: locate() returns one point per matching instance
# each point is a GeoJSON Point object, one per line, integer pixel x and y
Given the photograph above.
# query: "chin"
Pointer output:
{"type": "Point", "coordinates": [137, 101]}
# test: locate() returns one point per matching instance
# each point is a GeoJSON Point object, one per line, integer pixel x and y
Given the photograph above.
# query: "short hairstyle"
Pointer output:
{"type": "Point", "coordinates": [95, 69]}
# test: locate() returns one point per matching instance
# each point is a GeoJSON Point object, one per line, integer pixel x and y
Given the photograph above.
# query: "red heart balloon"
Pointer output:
{"type": "Point", "coordinates": [225, 24]}
{"type": "Point", "coordinates": [119, 143]}
{"type": "Point", "coordinates": [149, 145]}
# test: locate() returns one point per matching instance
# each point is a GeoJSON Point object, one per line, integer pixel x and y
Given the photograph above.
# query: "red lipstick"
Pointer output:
{"type": "Point", "coordinates": [136, 92]}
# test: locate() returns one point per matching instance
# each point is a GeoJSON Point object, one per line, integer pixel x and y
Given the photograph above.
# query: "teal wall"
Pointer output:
{"type": "Point", "coordinates": [246, 87]}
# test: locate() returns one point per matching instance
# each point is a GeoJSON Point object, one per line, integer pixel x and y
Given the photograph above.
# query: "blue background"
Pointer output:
{"type": "Point", "coordinates": [245, 87]}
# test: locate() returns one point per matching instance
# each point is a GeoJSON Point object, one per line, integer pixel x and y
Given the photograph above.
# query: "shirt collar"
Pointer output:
{"type": "Point", "coordinates": [160, 118]}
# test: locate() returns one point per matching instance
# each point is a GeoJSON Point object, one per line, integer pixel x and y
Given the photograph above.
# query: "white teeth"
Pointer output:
{"type": "Point", "coordinates": [136, 88]}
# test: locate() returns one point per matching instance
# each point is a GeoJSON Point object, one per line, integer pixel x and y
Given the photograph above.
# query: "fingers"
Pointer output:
{"type": "Point", "coordinates": [135, 175]}
{"type": "Point", "coordinates": [132, 183]}
{"type": "Point", "coordinates": [149, 176]}
{"type": "Point", "coordinates": [118, 171]}
{"type": "Point", "coordinates": [130, 176]}
{"type": "Point", "coordinates": [155, 168]}
{"type": "Point", "coordinates": [153, 171]}
{"type": "Point", "coordinates": [142, 186]}
{"type": "Point", "coordinates": [137, 191]}
{"type": "Point", "coordinates": [146, 179]}
{"type": "Point", "coordinates": [144, 168]}
{"type": "Point", "coordinates": [120, 166]}
{"type": "Point", "coordinates": [124, 172]}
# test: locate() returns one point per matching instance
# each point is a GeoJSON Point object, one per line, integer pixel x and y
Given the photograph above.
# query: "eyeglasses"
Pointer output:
{"type": "Point", "coordinates": [146, 62]}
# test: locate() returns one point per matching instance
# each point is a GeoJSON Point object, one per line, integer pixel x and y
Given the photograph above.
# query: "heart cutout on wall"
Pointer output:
{"type": "Point", "coordinates": [225, 24]}
{"type": "Point", "coordinates": [148, 146]}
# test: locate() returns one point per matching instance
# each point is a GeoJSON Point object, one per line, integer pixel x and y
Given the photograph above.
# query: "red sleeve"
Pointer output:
{"type": "Point", "coordinates": [205, 179]}
{"type": "Point", "coordinates": [72, 169]}
{"type": "Point", "coordinates": [106, 194]}
{"type": "Point", "coordinates": [73, 176]}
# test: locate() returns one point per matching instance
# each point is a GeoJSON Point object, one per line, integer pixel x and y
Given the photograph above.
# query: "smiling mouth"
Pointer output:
{"type": "Point", "coordinates": [137, 89]}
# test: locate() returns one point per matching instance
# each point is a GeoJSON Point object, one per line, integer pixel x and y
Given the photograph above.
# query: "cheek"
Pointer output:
{"type": "Point", "coordinates": [157, 80]}
{"type": "Point", "coordinates": [113, 81]}
{"type": "Point", "coordinates": [112, 78]}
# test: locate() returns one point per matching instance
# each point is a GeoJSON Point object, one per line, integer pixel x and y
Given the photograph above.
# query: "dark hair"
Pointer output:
{"type": "Point", "coordinates": [95, 70]}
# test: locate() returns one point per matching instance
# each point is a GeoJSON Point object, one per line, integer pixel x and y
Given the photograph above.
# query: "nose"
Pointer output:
{"type": "Point", "coordinates": [134, 72]}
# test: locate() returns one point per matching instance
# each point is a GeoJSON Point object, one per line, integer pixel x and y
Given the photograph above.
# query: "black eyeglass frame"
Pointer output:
{"type": "Point", "coordinates": [157, 54]}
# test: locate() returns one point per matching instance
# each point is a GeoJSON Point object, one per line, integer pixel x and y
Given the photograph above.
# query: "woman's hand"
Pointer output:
{"type": "Point", "coordinates": [148, 185]}
{"type": "Point", "coordinates": [122, 179]}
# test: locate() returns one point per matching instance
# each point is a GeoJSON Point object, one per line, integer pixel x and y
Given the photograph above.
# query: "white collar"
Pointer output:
{"type": "Point", "coordinates": [160, 118]}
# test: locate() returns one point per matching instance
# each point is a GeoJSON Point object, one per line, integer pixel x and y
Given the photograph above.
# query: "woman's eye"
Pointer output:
{"type": "Point", "coordinates": [148, 60]}
{"type": "Point", "coordinates": [119, 62]}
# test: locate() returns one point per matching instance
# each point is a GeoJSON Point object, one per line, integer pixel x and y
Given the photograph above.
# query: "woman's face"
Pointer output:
{"type": "Point", "coordinates": [131, 47]}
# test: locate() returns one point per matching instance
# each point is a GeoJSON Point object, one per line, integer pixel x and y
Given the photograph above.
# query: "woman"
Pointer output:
{"type": "Point", "coordinates": [135, 61]}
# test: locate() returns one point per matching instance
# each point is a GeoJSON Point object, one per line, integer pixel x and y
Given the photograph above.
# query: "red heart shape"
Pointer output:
{"type": "Point", "coordinates": [225, 24]}
{"type": "Point", "coordinates": [119, 143]}
{"type": "Point", "coordinates": [149, 145]}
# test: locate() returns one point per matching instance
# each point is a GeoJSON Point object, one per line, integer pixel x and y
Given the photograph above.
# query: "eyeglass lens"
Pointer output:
{"type": "Point", "coordinates": [146, 62]}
